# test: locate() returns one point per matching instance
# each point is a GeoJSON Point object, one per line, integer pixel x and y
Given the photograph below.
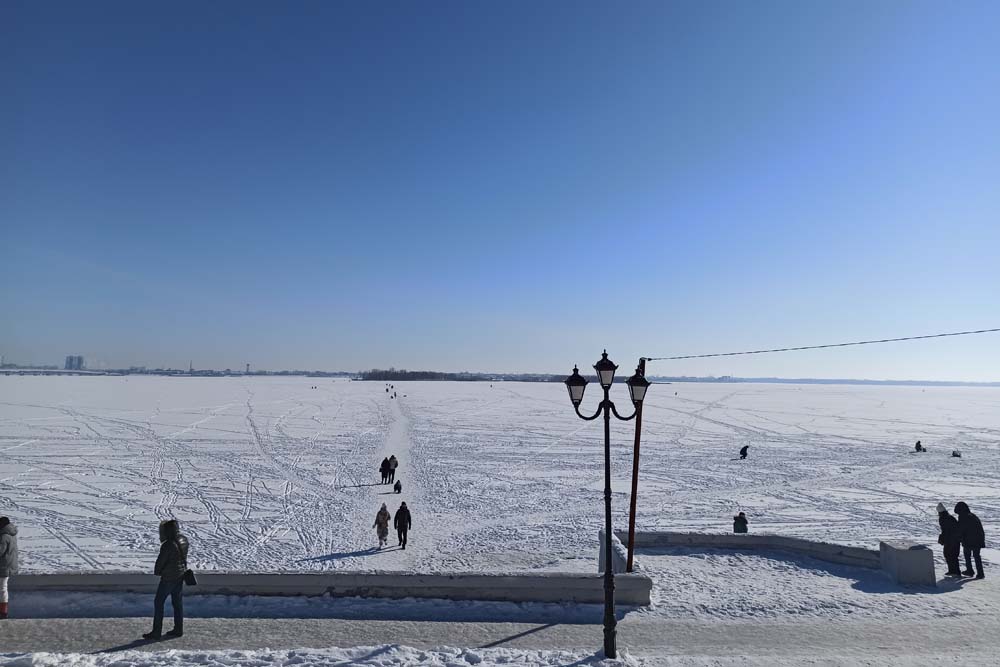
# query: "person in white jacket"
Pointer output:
{"type": "Point", "coordinates": [8, 560]}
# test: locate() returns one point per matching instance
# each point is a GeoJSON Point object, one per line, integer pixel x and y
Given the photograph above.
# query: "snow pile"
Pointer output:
{"type": "Point", "coordinates": [375, 656]}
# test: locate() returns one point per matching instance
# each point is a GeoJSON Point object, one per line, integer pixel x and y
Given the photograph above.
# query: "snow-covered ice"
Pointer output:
{"type": "Point", "coordinates": [270, 474]}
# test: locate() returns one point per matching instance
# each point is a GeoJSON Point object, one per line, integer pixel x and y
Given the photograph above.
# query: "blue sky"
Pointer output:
{"type": "Point", "coordinates": [501, 186]}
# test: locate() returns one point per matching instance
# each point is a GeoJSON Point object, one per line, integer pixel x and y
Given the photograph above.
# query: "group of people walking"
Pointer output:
{"type": "Point", "coordinates": [965, 531]}
{"type": "Point", "coordinates": [388, 469]}
{"type": "Point", "coordinates": [402, 522]}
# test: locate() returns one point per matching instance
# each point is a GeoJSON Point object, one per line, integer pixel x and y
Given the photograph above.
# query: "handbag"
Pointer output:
{"type": "Point", "coordinates": [941, 539]}
{"type": "Point", "coordinates": [190, 579]}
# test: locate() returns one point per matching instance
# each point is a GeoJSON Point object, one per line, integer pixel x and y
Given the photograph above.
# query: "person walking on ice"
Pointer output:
{"type": "Point", "coordinates": [384, 469]}
{"type": "Point", "coordinates": [393, 464]}
{"type": "Point", "coordinates": [950, 539]}
{"type": "Point", "coordinates": [402, 522]}
{"type": "Point", "coordinates": [381, 526]}
{"type": "Point", "coordinates": [970, 530]}
{"type": "Point", "coordinates": [740, 523]}
{"type": "Point", "coordinates": [8, 560]}
{"type": "Point", "coordinates": [743, 452]}
{"type": "Point", "coordinates": [171, 567]}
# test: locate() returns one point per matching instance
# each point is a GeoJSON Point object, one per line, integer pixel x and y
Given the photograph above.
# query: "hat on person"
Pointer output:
{"type": "Point", "coordinates": [941, 508]}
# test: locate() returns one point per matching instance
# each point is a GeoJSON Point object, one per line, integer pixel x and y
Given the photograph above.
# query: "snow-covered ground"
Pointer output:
{"type": "Point", "coordinates": [374, 656]}
{"type": "Point", "coordinates": [273, 474]}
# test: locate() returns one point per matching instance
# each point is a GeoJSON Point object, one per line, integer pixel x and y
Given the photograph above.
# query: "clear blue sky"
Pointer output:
{"type": "Point", "coordinates": [500, 186]}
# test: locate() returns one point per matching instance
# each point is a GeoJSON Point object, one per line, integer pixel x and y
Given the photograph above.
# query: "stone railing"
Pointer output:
{"type": "Point", "coordinates": [904, 562]}
{"type": "Point", "coordinates": [631, 589]}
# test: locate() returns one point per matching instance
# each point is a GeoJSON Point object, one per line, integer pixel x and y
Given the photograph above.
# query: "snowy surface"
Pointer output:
{"type": "Point", "coordinates": [271, 474]}
{"type": "Point", "coordinates": [728, 585]}
{"type": "Point", "coordinates": [402, 656]}
{"type": "Point", "coordinates": [375, 656]}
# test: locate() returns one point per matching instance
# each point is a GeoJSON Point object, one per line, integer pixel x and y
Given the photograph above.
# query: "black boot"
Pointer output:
{"type": "Point", "coordinates": [151, 635]}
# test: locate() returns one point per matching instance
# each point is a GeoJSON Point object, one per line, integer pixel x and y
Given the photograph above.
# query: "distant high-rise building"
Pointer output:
{"type": "Point", "coordinates": [74, 363]}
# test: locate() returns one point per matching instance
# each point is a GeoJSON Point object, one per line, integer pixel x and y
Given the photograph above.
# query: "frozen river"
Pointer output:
{"type": "Point", "coordinates": [274, 474]}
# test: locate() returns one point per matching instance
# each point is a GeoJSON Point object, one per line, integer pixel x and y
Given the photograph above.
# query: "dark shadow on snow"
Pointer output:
{"type": "Point", "coordinates": [134, 644]}
{"type": "Point", "coordinates": [370, 551]}
{"type": "Point", "coordinates": [500, 642]}
{"type": "Point", "coordinates": [885, 585]}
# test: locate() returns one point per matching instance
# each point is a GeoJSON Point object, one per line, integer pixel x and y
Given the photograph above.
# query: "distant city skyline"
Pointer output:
{"type": "Point", "coordinates": [501, 187]}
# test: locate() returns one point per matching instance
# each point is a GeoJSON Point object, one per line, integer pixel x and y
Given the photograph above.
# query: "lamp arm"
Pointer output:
{"type": "Point", "coordinates": [624, 419]}
{"type": "Point", "coordinates": [595, 415]}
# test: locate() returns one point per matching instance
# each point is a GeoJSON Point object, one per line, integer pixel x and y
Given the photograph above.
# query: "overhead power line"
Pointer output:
{"type": "Point", "coordinates": [820, 347]}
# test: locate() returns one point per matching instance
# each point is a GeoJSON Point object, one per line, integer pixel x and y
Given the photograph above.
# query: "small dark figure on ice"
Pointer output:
{"type": "Point", "coordinates": [918, 447]}
{"type": "Point", "coordinates": [970, 530]}
{"type": "Point", "coordinates": [171, 567]}
{"type": "Point", "coordinates": [740, 523]}
{"type": "Point", "coordinates": [950, 540]}
{"type": "Point", "coordinates": [402, 522]}
{"type": "Point", "coordinates": [397, 487]}
{"type": "Point", "coordinates": [393, 464]}
{"type": "Point", "coordinates": [955, 454]}
{"type": "Point", "coordinates": [384, 469]}
{"type": "Point", "coordinates": [744, 451]}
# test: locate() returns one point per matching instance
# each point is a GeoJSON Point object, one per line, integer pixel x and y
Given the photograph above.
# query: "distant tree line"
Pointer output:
{"type": "Point", "coordinates": [393, 375]}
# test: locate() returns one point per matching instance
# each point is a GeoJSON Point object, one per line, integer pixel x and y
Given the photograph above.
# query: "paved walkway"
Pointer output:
{"type": "Point", "coordinates": [970, 637]}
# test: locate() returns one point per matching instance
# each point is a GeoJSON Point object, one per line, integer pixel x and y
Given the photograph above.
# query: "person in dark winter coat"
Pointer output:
{"type": "Point", "coordinates": [970, 530]}
{"type": "Point", "coordinates": [393, 464]}
{"type": "Point", "coordinates": [384, 469]}
{"type": "Point", "coordinates": [397, 487]}
{"type": "Point", "coordinates": [402, 522]}
{"type": "Point", "coordinates": [918, 447]}
{"type": "Point", "coordinates": [950, 540]}
{"type": "Point", "coordinates": [743, 451]}
{"type": "Point", "coordinates": [8, 560]}
{"type": "Point", "coordinates": [740, 523]}
{"type": "Point", "coordinates": [171, 566]}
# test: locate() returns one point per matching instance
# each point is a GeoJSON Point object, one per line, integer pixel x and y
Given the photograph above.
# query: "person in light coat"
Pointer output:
{"type": "Point", "coordinates": [8, 560]}
{"type": "Point", "coordinates": [381, 526]}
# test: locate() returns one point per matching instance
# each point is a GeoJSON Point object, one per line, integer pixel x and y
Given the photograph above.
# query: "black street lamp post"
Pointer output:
{"type": "Point", "coordinates": [637, 385]}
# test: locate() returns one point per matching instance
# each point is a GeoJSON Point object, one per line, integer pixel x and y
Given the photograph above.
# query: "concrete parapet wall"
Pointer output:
{"type": "Point", "coordinates": [619, 553]}
{"type": "Point", "coordinates": [630, 589]}
{"type": "Point", "coordinates": [908, 563]}
{"type": "Point", "coordinates": [832, 553]}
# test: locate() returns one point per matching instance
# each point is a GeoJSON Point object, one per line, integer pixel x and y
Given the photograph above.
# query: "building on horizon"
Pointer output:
{"type": "Point", "coordinates": [74, 363]}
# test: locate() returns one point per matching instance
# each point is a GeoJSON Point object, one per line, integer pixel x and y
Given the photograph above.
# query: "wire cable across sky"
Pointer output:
{"type": "Point", "coordinates": [820, 347]}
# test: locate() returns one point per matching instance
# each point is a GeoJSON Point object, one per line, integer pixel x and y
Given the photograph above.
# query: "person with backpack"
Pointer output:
{"type": "Point", "coordinates": [8, 561]}
{"type": "Point", "coordinates": [381, 526]}
{"type": "Point", "coordinates": [402, 522]}
{"type": "Point", "coordinates": [950, 539]}
{"type": "Point", "coordinates": [740, 523]}
{"type": "Point", "coordinates": [171, 566]}
{"type": "Point", "coordinates": [973, 538]}
{"type": "Point", "coordinates": [743, 451]}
